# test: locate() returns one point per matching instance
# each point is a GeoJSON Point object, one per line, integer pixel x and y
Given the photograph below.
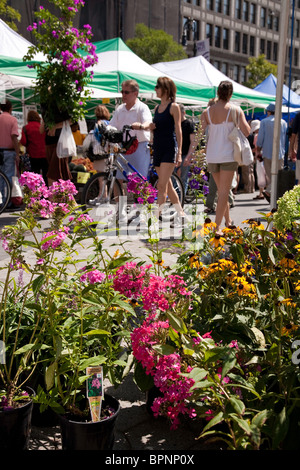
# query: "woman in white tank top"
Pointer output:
{"type": "Point", "coordinates": [219, 149]}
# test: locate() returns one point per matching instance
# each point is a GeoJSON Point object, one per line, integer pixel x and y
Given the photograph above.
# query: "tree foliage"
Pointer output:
{"type": "Point", "coordinates": [155, 45]}
{"type": "Point", "coordinates": [9, 15]}
{"type": "Point", "coordinates": [259, 69]}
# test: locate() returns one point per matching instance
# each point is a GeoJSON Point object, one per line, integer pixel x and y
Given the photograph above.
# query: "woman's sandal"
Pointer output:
{"type": "Point", "coordinates": [259, 197]}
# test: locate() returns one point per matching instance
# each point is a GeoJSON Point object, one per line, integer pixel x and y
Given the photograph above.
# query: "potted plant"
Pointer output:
{"type": "Point", "coordinates": [80, 321]}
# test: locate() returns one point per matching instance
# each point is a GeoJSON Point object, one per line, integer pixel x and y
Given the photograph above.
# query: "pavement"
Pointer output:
{"type": "Point", "coordinates": [136, 429]}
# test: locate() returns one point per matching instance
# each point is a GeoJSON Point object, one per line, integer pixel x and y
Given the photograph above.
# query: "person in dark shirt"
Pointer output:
{"type": "Point", "coordinates": [34, 141]}
{"type": "Point", "coordinates": [188, 147]}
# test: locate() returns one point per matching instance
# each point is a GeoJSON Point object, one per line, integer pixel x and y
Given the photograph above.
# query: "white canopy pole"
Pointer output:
{"type": "Point", "coordinates": [283, 34]}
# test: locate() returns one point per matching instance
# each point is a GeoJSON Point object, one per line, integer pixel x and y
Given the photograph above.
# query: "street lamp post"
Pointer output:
{"type": "Point", "coordinates": [188, 27]}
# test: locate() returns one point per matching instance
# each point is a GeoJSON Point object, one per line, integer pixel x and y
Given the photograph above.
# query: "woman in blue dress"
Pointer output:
{"type": "Point", "coordinates": [167, 142]}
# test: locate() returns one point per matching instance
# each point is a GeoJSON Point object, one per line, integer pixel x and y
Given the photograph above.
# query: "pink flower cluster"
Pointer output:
{"type": "Point", "coordinates": [54, 238]}
{"type": "Point", "coordinates": [165, 369]}
{"type": "Point", "coordinates": [130, 278]}
{"type": "Point", "coordinates": [47, 202]}
{"type": "Point", "coordinates": [94, 276]}
{"type": "Point", "coordinates": [142, 188]}
{"type": "Point", "coordinates": [155, 292]}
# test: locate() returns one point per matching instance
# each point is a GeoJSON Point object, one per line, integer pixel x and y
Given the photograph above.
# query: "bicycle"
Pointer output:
{"type": "Point", "coordinates": [105, 187]}
{"type": "Point", "coordinates": [5, 188]}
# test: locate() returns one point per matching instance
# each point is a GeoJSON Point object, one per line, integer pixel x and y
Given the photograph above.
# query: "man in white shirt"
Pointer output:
{"type": "Point", "coordinates": [133, 112]}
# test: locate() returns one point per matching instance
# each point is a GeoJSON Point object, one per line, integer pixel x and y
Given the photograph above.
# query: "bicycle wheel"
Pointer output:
{"type": "Point", "coordinates": [169, 211]}
{"type": "Point", "coordinates": [5, 191]}
{"type": "Point", "coordinates": [98, 196]}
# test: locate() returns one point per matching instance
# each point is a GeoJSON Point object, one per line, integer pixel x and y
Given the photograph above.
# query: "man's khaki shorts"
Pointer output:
{"type": "Point", "coordinates": [227, 166]}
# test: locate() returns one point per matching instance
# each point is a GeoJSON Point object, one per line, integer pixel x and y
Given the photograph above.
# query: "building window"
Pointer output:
{"type": "Point", "coordinates": [216, 64]}
{"type": "Point", "coordinates": [243, 75]}
{"type": "Point", "coordinates": [275, 52]}
{"type": "Point", "coordinates": [270, 20]}
{"type": "Point", "coordinates": [262, 17]}
{"type": "Point", "coordinates": [276, 23]}
{"type": "Point", "coordinates": [262, 49]}
{"type": "Point", "coordinates": [297, 28]}
{"type": "Point", "coordinates": [218, 6]}
{"type": "Point", "coordinates": [237, 42]}
{"type": "Point", "coordinates": [269, 49]}
{"type": "Point", "coordinates": [217, 36]}
{"type": "Point", "coordinates": [196, 2]}
{"type": "Point", "coordinates": [238, 13]}
{"type": "Point", "coordinates": [224, 68]}
{"type": "Point", "coordinates": [209, 4]}
{"type": "Point", "coordinates": [226, 7]}
{"type": "Point", "coordinates": [236, 73]}
{"type": "Point", "coordinates": [246, 11]}
{"type": "Point", "coordinates": [196, 30]}
{"type": "Point", "coordinates": [296, 55]}
{"type": "Point", "coordinates": [209, 32]}
{"type": "Point", "coordinates": [253, 13]}
{"type": "Point", "coordinates": [245, 44]}
{"type": "Point", "coordinates": [226, 38]}
{"type": "Point", "coordinates": [252, 46]}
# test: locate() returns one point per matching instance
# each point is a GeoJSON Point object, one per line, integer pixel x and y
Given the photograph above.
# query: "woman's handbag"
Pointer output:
{"type": "Point", "coordinates": [66, 146]}
{"type": "Point", "coordinates": [242, 150]}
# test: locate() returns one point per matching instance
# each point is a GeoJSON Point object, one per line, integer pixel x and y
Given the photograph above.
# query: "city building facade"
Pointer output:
{"type": "Point", "coordinates": [234, 29]}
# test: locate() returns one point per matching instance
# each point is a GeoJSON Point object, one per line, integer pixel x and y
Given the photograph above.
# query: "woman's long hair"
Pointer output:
{"type": "Point", "coordinates": [168, 87]}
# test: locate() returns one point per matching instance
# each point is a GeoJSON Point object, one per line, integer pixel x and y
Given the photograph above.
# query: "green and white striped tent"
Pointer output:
{"type": "Point", "coordinates": [116, 63]}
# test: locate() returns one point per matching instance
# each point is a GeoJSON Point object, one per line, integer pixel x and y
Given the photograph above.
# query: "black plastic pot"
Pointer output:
{"type": "Point", "coordinates": [76, 435]}
{"type": "Point", "coordinates": [15, 426]}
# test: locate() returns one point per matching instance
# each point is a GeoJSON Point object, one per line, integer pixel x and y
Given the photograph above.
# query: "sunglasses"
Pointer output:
{"type": "Point", "coordinates": [126, 92]}
{"type": "Point", "coordinates": [157, 86]}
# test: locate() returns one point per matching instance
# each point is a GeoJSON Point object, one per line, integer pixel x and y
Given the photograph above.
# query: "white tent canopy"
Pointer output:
{"type": "Point", "coordinates": [200, 71]}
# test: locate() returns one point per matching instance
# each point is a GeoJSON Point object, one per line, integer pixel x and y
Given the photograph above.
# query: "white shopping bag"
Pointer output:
{"type": "Point", "coordinates": [66, 146]}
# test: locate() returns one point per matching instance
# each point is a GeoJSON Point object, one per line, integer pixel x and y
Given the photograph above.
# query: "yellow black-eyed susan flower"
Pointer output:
{"type": "Point", "coordinates": [288, 262]}
{"type": "Point", "coordinates": [288, 329]}
{"type": "Point", "coordinates": [217, 241]}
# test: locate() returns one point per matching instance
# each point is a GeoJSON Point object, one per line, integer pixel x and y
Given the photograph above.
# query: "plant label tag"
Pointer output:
{"type": "Point", "coordinates": [94, 390]}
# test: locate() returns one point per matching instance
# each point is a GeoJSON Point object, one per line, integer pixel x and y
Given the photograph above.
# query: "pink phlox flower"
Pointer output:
{"type": "Point", "coordinates": [94, 276]}
{"type": "Point", "coordinates": [54, 239]}
{"type": "Point", "coordinates": [33, 181]}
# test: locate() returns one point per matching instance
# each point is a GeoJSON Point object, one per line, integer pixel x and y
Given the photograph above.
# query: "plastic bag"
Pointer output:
{"type": "Point", "coordinates": [261, 174]}
{"type": "Point", "coordinates": [66, 146]}
{"type": "Point", "coordinates": [16, 192]}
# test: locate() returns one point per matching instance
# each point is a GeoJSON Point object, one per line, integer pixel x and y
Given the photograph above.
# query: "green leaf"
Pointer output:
{"type": "Point", "coordinates": [26, 348]}
{"type": "Point", "coordinates": [177, 323]}
{"type": "Point", "coordinates": [237, 253]}
{"type": "Point", "coordinates": [142, 380]}
{"type": "Point", "coordinates": [214, 421]}
{"type": "Point", "coordinates": [50, 375]}
{"type": "Point", "coordinates": [164, 349]}
{"type": "Point", "coordinates": [280, 428]}
{"type": "Point", "coordinates": [37, 283]}
{"type": "Point", "coordinates": [242, 423]}
{"type": "Point", "coordinates": [96, 332]}
{"type": "Point", "coordinates": [237, 405]}
{"type": "Point", "coordinates": [92, 361]}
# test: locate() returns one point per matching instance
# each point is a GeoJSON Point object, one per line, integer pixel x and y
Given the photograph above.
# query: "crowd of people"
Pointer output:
{"type": "Point", "coordinates": [173, 137]}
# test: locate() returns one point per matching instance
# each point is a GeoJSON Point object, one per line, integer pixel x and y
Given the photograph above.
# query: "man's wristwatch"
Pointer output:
{"type": "Point", "coordinates": [141, 127]}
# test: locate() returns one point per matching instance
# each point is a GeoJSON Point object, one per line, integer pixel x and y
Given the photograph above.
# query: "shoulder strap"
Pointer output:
{"type": "Point", "coordinates": [234, 112]}
{"type": "Point", "coordinates": [208, 115]}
